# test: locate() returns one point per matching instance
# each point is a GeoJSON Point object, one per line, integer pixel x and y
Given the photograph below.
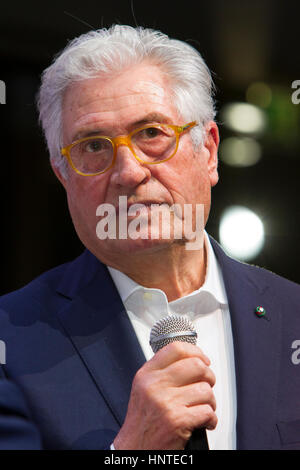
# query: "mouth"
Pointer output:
{"type": "Point", "coordinates": [146, 206]}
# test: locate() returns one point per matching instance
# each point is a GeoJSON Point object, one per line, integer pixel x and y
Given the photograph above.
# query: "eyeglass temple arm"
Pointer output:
{"type": "Point", "coordinates": [188, 126]}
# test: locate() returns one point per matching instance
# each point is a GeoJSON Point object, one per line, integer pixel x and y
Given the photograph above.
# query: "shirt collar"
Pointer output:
{"type": "Point", "coordinates": [213, 283]}
{"type": "Point", "coordinates": [142, 300]}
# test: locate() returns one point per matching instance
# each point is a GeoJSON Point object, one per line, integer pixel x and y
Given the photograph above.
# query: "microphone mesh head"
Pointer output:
{"type": "Point", "coordinates": [172, 328]}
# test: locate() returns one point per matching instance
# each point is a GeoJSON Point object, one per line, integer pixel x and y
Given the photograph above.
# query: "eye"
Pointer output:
{"type": "Point", "coordinates": [151, 132]}
{"type": "Point", "coordinates": [93, 146]}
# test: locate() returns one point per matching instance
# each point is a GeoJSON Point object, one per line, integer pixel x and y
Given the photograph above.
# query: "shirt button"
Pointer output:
{"type": "Point", "coordinates": [147, 296]}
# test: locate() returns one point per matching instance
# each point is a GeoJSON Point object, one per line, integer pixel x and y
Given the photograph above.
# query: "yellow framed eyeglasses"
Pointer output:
{"type": "Point", "coordinates": [150, 144]}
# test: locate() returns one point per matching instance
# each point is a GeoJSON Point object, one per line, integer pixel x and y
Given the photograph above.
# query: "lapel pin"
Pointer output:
{"type": "Point", "coordinates": [261, 312]}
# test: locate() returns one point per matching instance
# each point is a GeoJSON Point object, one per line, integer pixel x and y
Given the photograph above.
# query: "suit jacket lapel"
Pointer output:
{"type": "Point", "coordinates": [98, 326]}
{"type": "Point", "coordinates": [256, 350]}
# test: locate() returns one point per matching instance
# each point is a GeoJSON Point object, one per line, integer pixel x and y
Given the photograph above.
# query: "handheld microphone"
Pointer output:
{"type": "Point", "coordinates": [165, 331]}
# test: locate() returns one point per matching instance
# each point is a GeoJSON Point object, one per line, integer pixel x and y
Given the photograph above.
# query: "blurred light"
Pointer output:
{"type": "Point", "coordinates": [259, 94]}
{"type": "Point", "coordinates": [244, 117]}
{"type": "Point", "coordinates": [241, 233]}
{"type": "Point", "coordinates": [284, 120]}
{"type": "Point", "coordinates": [240, 151]}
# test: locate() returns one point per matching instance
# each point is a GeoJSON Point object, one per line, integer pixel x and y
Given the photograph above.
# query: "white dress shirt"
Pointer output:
{"type": "Point", "coordinates": [207, 308]}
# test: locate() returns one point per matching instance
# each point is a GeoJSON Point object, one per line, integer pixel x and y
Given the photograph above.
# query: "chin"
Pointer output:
{"type": "Point", "coordinates": [129, 247]}
{"type": "Point", "coordinates": [139, 245]}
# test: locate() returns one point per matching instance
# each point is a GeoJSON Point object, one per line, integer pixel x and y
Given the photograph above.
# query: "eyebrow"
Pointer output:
{"type": "Point", "coordinates": [151, 117]}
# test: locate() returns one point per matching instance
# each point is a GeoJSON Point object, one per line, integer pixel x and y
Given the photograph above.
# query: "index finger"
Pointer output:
{"type": "Point", "coordinates": [174, 352]}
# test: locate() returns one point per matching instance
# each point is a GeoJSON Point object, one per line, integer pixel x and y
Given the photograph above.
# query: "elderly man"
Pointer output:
{"type": "Point", "coordinates": [129, 120]}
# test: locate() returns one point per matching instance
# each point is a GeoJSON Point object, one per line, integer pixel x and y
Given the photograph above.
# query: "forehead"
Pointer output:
{"type": "Point", "coordinates": [118, 100]}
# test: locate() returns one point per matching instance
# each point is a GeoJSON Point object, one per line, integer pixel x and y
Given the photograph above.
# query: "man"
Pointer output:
{"type": "Point", "coordinates": [128, 113]}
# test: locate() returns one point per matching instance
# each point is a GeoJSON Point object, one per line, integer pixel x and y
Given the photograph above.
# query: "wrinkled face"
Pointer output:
{"type": "Point", "coordinates": [116, 106]}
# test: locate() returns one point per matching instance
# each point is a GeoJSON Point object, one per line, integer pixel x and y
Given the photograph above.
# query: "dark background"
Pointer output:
{"type": "Point", "coordinates": [241, 41]}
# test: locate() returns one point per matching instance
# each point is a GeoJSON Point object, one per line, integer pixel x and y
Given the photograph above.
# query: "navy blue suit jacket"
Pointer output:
{"type": "Point", "coordinates": [71, 355]}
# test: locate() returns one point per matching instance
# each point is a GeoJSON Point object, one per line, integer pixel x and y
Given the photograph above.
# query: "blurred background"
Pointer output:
{"type": "Point", "coordinates": [252, 48]}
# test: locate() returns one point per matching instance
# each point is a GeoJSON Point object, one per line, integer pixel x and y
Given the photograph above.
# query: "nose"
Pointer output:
{"type": "Point", "coordinates": [127, 170]}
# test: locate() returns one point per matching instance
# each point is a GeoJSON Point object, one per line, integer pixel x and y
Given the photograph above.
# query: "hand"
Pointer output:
{"type": "Point", "coordinates": [171, 396]}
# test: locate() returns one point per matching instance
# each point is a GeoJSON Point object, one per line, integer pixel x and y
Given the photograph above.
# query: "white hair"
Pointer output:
{"type": "Point", "coordinates": [108, 51]}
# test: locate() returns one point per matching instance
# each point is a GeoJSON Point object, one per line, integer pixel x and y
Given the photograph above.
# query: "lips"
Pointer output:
{"type": "Point", "coordinates": [143, 209]}
{"type": "Point", "coordinates": [147, 204]}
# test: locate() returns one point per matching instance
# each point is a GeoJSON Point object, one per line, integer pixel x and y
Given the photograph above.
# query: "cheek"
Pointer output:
{"type": "Point", "coordinates": [84, 195]}
{"type": "Point", "coordinates": [194, 172]}
{"type": "Point", "coordinates": [186, 178]}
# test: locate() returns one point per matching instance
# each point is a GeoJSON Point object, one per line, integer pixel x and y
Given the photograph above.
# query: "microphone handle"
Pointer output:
{"type": "Point", "coordinates": [198, 440]}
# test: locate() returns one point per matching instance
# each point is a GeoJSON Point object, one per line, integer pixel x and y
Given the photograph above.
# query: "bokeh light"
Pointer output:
{"type": "Point", "coordinates": [241, 233]}
{"type": "Point", "coordinates": [240, 151]}
{"type": "Point", "coordinates": [259, 94]}
{"type": "Point", "coordinates": [244, 118]}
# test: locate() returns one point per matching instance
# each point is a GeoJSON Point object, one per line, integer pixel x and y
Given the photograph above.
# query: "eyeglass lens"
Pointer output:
{"type": "Point", "coordinates": [149, 144]}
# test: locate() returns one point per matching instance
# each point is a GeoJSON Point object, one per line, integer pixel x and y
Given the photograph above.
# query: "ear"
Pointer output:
{"type": "Point", "coordinates": [58, 174]}
{"type": "Point", "coordinates": [211, 143]}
